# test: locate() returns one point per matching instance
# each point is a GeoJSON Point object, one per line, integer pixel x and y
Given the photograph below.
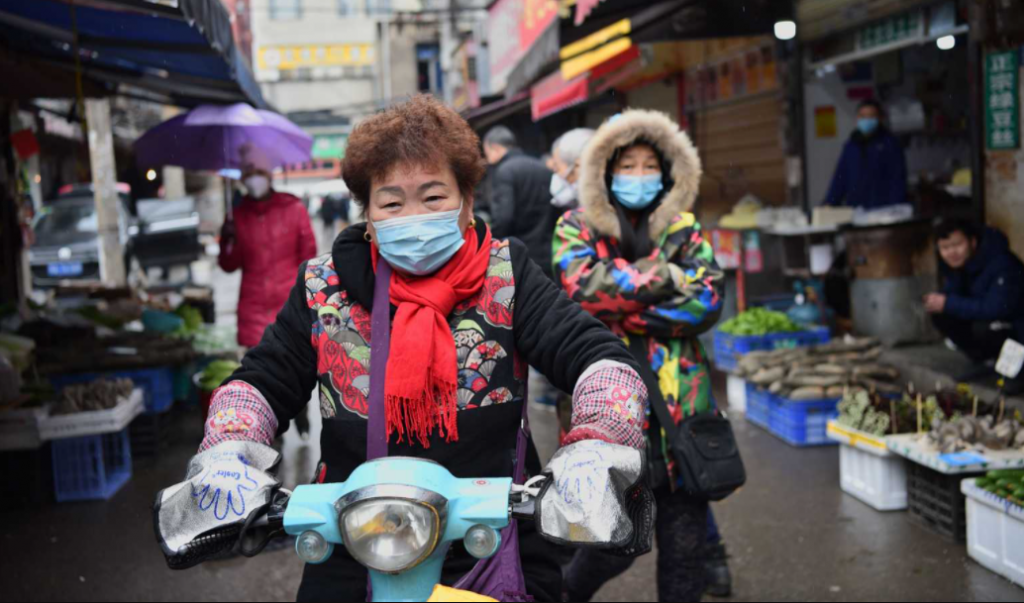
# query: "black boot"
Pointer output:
{"type": "Point", "coordinates": [302, 423]}
{"type": "Point", "coordinates": [716, 571]}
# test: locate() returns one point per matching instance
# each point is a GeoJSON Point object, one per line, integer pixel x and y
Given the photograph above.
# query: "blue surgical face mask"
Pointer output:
{"type": "Point", "coordinates": [867, 125]}
{"type": "Point", "coordinates": [637, 192]}
{"type": "Point", "coordinates": [422, 244]}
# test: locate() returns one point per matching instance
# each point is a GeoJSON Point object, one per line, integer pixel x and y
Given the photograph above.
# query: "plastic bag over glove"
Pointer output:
{"type": "Point", "coordinates": [597, 497]}
{"type": "Point", "coordinates": [225, 487]}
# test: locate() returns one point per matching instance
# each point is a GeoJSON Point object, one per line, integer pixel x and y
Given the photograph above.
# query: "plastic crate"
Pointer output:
{"type": "Point", "coordinates": [92, 467]}
{"type": "Point", "coordinates": [802, 423]}
{"type": "Point", "coordinates": [876, 478]}
{"type": "Point", "coordinates": [19, 429]}
{"type": "Point", "coordinates": [94, 422]}
{"type": "Point", "coordinates": [802, 339]}
{"type": "Point", "coordinates": [181, 386]}
{"type": "Point", "coordinates": [729, 348]}
{"type": "Point", "coordinates": [936, 501]}
{"type": "Point", "coordinates": [995, 532]}
{"type": "Point", "coordinates": [157, 383]}
{"type": "Point", "coordinates": [759, 406]}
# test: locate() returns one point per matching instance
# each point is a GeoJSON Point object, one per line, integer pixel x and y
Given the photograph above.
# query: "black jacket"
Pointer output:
{"type": "Point", "coordinates": [990, 287]}
{"type": "Point", "coordinates": [321, 340]}
{"type": "Point", "coordinates": [520, 205]}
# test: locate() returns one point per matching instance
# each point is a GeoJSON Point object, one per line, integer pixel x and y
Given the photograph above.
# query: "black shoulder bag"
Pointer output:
{"type": "Point", "coordinates": [703, 446]}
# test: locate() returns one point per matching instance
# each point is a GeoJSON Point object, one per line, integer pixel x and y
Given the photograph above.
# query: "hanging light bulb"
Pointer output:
{"type": "Point", "coordinates": [785, 30]}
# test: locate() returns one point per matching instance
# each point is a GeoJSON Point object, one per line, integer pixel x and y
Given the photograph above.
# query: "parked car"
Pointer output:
{"type": "Point", "coordinates": [163, 234]}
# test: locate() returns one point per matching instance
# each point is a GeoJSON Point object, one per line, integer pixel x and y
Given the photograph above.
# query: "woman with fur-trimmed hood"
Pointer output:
{"type": "Point", "coordinates": [635, 257]}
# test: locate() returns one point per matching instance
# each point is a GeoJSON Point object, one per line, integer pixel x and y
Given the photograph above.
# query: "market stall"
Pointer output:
{"type": "Point", "coordinates": [95, 375]}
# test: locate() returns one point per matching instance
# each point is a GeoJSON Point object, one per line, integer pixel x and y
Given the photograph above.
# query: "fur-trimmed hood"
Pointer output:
{"type": "Point", "coordinates": [622, 131]}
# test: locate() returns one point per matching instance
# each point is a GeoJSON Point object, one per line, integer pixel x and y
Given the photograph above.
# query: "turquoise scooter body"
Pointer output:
{"type": "Point", "coordinates": [480, 508]}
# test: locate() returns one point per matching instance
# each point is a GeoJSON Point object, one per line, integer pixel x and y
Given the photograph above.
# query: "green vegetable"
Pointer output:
{"type": "Point", "coordinates": [193, 318]}
{"type": "Point", "coordinates": [760, 322]}
{"type": "Point", "coordinates": [1011, 474]}
{"type": "Point", "coordinates": [95, 316]}
{"type": "Point", "coordinates": [216, 373]}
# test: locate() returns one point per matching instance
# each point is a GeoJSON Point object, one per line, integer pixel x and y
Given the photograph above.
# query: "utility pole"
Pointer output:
{"type": "Point", "coordinates": [449, 35]}
{"type": "Point", "coordinates": [104, 182]}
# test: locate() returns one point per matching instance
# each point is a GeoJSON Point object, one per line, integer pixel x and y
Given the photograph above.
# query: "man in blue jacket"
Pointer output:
{"type": "Point", "coordinates": [982, 300]}
{"type": "Point", "coordinates": [872, 172]}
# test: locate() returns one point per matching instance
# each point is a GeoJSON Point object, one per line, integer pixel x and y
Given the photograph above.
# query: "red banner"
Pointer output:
{"type": "Point", "coordinates": [537, 16]}
{"type": "Point", "coordinates": [553, 94]}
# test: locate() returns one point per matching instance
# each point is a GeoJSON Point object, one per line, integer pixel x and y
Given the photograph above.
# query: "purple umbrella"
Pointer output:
{"type": "Point", "coordinates": [211, 137]}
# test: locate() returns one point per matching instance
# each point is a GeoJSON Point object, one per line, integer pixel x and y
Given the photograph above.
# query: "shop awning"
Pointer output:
{"type": "Point", "coordinates": [668, 20]}
{"type": "Point", "coordinates": [554, 93]}
{"type": "Point", "coordinates": [497, 110]}
{"type": "Point", "coordinates": [182, 51]}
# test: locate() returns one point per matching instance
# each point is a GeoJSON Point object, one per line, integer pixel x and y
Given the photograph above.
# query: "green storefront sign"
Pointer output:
{"type": "Point", "coordinates": [329, 146]}
{"type": "Point", "coordinates": [1002, 101]}
{"type": "Point", "coordinates": [890, 31]}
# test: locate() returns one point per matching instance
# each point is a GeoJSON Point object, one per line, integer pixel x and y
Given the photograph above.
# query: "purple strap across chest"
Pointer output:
{"type": "Point", "coordinates": [501, 576]}
{"type": "Point", "coordinates": [380, 350]}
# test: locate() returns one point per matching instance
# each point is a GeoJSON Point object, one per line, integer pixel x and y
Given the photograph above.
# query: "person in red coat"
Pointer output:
{"type": "Point", "coordinates": [269, 238]}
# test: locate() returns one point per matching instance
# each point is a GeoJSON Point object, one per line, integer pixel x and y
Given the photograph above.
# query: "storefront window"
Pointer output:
{"type": "Point", "coordinates": [378, 7]}
{"type": "Point", "coordinates": [285, 9]}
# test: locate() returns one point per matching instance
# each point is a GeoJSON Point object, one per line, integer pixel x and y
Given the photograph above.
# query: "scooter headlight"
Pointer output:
{"type": "Point", "coordinates": [391, 529]}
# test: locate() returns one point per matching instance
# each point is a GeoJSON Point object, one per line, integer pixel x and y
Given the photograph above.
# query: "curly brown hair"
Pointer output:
{"type": "Point", "coordinates": [421, 132]}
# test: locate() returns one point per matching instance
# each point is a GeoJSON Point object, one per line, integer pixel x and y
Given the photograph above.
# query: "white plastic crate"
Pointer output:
{"type": "Point", "coordinates": [737, 393]}
{"type": "Point", "coordinates": [19, 429]}
{"type": "Point", "coordinates": [877, 479]}
{"type": "Point", "coordinates": [93, 422]}
{"type": "Point", "coordinates": [868, 471]}
{"type": "Point", "coordinates": [995, 532]}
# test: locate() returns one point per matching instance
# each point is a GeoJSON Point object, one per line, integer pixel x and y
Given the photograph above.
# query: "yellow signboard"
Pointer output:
{"type": "Point", "coordinates": [597, 39]}
{"type": "Point", "coordinates": [284, 58]}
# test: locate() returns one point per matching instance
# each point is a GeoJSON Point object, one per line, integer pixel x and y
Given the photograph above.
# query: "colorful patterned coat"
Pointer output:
{"type": "Point", "coordinates": [670, 297]}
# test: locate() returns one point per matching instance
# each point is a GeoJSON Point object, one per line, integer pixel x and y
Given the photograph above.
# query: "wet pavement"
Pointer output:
{"type": "Point", "coordinates": [793, 536]}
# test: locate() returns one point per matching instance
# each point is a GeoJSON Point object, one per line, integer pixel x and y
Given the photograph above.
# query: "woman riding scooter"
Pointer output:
{"type": "Point", "coordinates": [469, 314]}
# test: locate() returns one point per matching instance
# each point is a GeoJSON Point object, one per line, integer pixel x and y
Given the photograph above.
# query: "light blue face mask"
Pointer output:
{"type": "Point", "coordinates": [637, 192]}
{"type": "Point", "coordinates": [867, 125]}
{"type": "Point", "coordinates": [420, 245]}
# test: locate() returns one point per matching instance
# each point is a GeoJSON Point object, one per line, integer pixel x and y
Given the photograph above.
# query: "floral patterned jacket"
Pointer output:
{"type": "Point", "coordinates": [321, 341]}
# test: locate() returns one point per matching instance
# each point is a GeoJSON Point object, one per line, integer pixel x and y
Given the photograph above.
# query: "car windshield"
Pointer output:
{"type": "Point", "coordinates": [67, 218]}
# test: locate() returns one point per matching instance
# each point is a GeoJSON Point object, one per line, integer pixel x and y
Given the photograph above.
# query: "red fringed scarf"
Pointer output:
{"type": "Point", "coordinates": [421, 392]}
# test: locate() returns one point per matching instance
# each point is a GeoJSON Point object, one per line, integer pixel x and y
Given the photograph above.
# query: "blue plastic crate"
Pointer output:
{"type": "Point", "coordinates": [758, 406]}
{"type": "Point", "coordinates": [802, 339]}
{"type": "Point", "coordinates": [91, 467]}
{"type": "Point", "coordinates": [158, 385]}
{"type": "Point", "coordinates": [802, 423]}
{"type": "Point", "coordinates": [729, 348]}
